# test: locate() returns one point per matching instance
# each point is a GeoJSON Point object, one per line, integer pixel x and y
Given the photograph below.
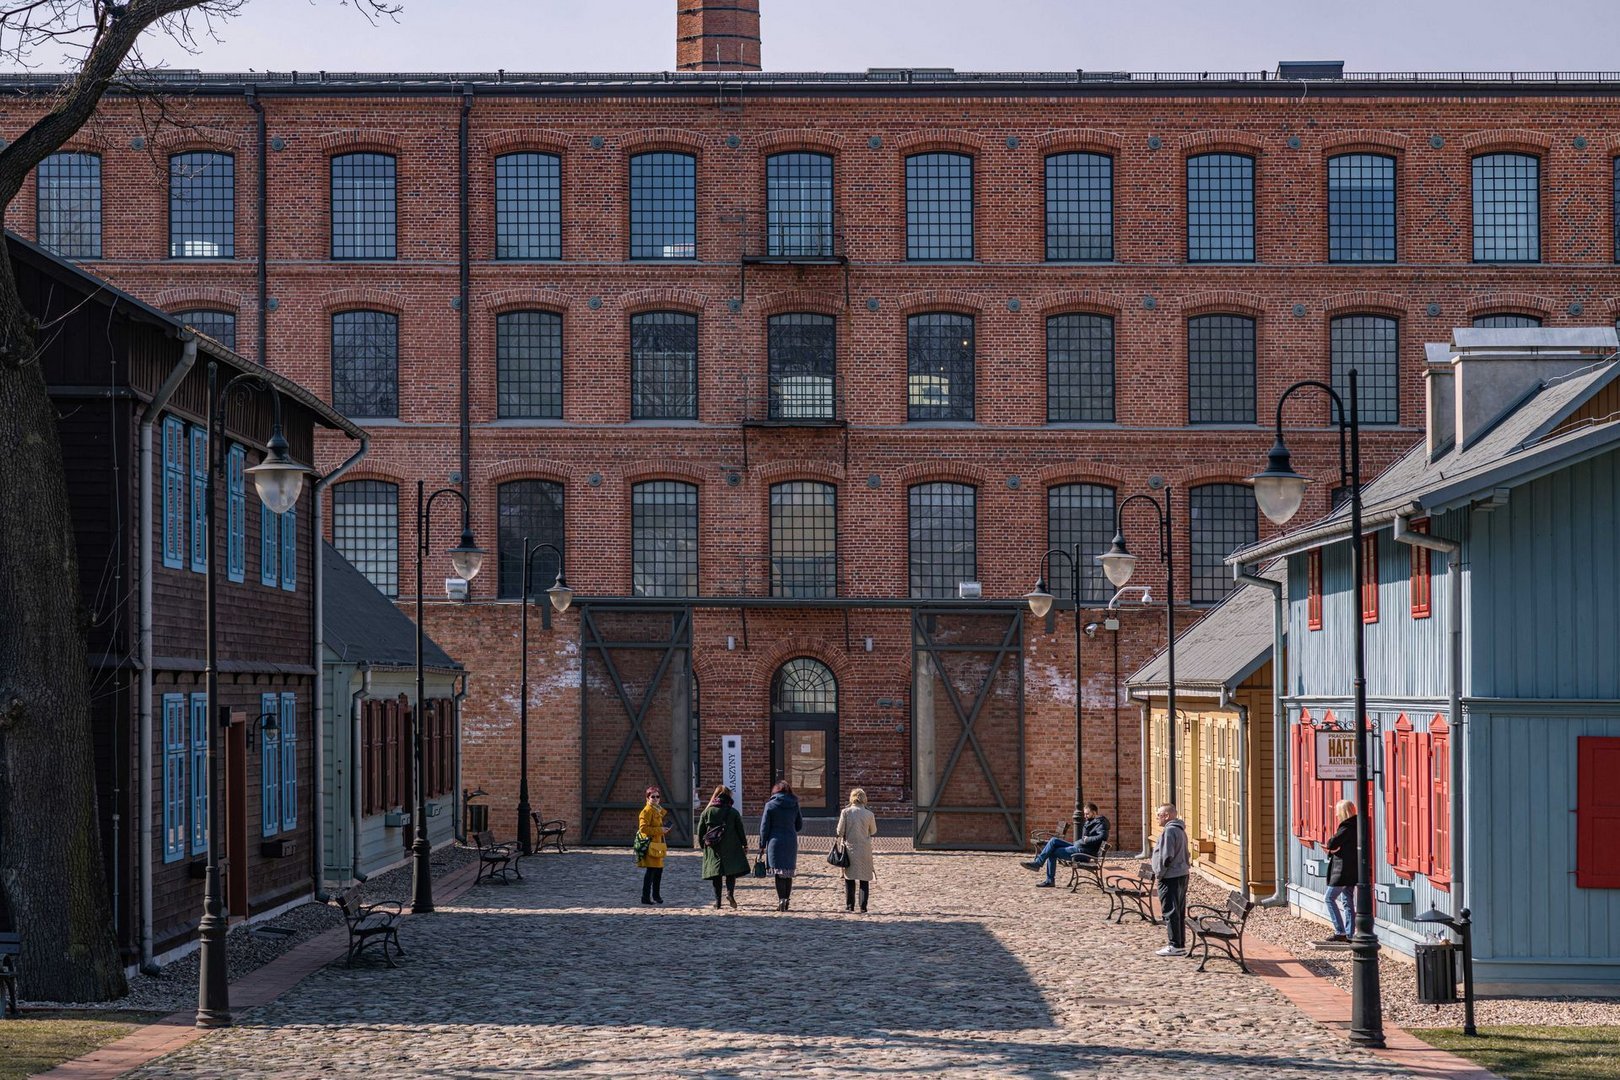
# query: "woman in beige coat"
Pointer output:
{"type": "Point", "coordinates": [856, 827]}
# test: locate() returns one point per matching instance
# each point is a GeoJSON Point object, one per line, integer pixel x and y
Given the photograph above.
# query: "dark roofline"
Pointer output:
{"type": "Point", "coordinates": [910, 82]}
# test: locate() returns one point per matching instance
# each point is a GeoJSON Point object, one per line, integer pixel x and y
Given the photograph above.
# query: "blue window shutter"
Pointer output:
{"type": "Point", "coordinates": [269, 765]}
{"type": "Point", "coordinates": [236, 516]}
{"type": "Point", "coordinates": [289, 550]}
{"type": "Point", "coordinates": [174, 493]}
{"type": "Point", "coordinates": [269, 547]}
{"type": "Point", "coordinates": [199, 500]}
{"type": "Point", "coordinates": [174, 777]}
{"type": "Point", "coordinates": [289, 761]}
{"type": "Point", "coordinates": [199, 773]}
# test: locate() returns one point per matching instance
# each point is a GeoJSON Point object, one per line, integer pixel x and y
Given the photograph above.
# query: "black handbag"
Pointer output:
{"type": "Point", "coordinates": [838, 856]}
{"type": "Point", "coordinates": [760, 867]}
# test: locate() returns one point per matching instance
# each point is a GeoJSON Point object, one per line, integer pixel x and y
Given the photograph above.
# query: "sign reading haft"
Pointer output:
{"type": "Point", "coordinates": [731, 767]}
{"type": "Point", "coordinates": [1335, 755]}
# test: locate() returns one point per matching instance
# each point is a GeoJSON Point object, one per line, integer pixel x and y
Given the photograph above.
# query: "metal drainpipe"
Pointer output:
{"type": "Point", "coordinates": [1243, 788]}
{"type": "Point", "coordinates": [1453, 552]}
{"type": "Point", "coordinates": [457, 823]}
{"type": "Point", "coordinates": [1279, 737]}
{"type": "Point", "coordinates": [264, 225]}
{"type": "Point", "coordinates": [466, 290]}
{"type": "Point", "coordinates": [149, 417]}
{"type": "Point", "coordinates": [1147, 795]}
{"type": "Point", "coordinates": [356, 742]}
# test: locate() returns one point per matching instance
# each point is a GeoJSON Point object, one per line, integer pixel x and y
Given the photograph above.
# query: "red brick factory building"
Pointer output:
{"type": "Point", "coordinates": [780, 360]}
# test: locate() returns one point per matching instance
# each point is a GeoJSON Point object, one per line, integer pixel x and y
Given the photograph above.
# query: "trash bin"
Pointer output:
{"type": "Point", "coordinates": [1436, 972]}
{"type": "Point", "coordinates": [477, 818]}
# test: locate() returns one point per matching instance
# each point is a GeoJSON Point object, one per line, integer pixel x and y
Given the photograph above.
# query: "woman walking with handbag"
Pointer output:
{"type": "Point", "coordinates": [650, 855]}
{"type": "Point", "coordinates": [856, 827]}
{"type": "Point", "coordinates": [779, 829]}
{"type": "Point", "coordinates": [725, 844]}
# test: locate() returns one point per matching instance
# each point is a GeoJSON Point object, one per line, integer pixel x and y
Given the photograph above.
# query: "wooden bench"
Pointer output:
{"type": "Point", "coordinates": [370, 924]}
{"type": "Point", "coordinates": [1089, 867]}
{"type": "Point", "coordinates": [10, 957]}
{"type": "Point", "coordinates": [496, 861]}
{"type": "Point", "coordinates": [1131, 894]}
{"type": "Point", "coordinates": [1221, 928]}
{"type": "Point", "coordinates": [549, 833]}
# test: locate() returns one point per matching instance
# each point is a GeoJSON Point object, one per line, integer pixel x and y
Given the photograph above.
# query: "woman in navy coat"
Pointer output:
{"type": "Point", "coordinates": [779, 829]}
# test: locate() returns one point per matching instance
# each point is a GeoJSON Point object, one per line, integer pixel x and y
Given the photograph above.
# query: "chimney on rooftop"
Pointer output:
{"type": "Point", "coordinates": [717, 35]}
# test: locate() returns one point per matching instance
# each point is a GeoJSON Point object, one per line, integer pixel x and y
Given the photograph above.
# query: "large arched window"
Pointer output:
{"type": "Point", "coordinates": [799, 205]}
{"type": "Point", "coordinates": [1507, 208]}
{"type": "Point", "coordinates": [944, 541]}
{"type": "Point", "coordinates": [664, 539]}
{"type": "Point", "coordinates": [663, 366]}
{"type": "Point", "coordinates": [939, 366]}
{"type": "Point", "coordinates": [1371, 345]}
{"type": "Point", "coordinates": [1220, 369]}
{"type": "Point", "coordinates": [1361, 208]}
{"type": "Point", "coordinates": [804, 687]}
{"type": "Point", "coordinates": [1223, 520]}
{"type": "Point", "coordinates": [803, 357]}
{"type": "Point", "coordinates": [531, 509]}
{"type": "Point", "coordinates": [663, 206]}
{"type": "Point", "coordinates": [202, 205]}
{"type": "Point", "coordinates": [365, 364]}
{"type": "Point", "coordinates": [365, 530]}
{"type": "Point", "coordinates": [363, 206]}
{"type": "Point", "coordinates": [1080, 207]}
{"type": "Point", "coordinates": [528, 206]}
{"type": "Point", "coordinates": [67, 206]}
{"type": "Point", "coordinates": [219, 325]}
{"type": "Point", "coordinates": [528, 365]}
{"type": "Point", "coordinates": [1080, 514]}
{"type": "Point", "coordinates": [1080, 369]}
{"type": "Point", "coordinates": [804, 539]}
{"type": "Point", "coordinates": [939, 207]}
{"type": "Point", "coordinates": [1220, 208]}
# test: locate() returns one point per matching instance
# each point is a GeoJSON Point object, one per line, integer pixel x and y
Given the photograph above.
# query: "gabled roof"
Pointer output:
{"type": "Point", "coordinates": [1221, 650]}
{"type": "Point", "coordinates": [361, 625]}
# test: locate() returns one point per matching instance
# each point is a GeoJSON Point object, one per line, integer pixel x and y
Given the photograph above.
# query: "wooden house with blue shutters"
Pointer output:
{"type": "Point", "coordinates": [1491, 608]}
{"type": "Point", "coordinates": [130, 383]}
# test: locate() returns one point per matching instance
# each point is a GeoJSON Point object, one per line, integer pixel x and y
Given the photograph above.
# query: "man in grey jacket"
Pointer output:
{"type": "Point", "coordinates": [1171, 865]}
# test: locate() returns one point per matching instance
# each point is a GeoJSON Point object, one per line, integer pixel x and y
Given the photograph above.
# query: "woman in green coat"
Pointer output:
{"type": "Point", "coordinates": [725, 845]}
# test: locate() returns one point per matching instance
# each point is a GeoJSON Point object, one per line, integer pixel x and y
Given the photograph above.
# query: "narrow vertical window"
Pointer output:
{"type": "Point", "coordinates": [532, 509]}
{"type": "Point", "coordinates": [663, 366]}
{"type": "Point", "coordinates": [1223, 520]}
{"type": "Point", "coordinates": [663, 206]}
{"type": "Point", "coordinates": [365, 364]}
{"type": "Point", "coordinates": [1083, 515]}
{"type": "Point", "coordinates": [202, 206]}
{"type": "Point", "coordinates": [1313, 589]}
{"type": "Point", "coordinates": [236, 514]}
{"type": "Point", "coordinates": [943, 539]}
{"type": "Point", "coordinates": [804, 539]}
{"type": "Point", "coordinates": [1420, 580]}
{"type": "Point", "coordinates": [199, 773]}
{"type": "Point", "coordinates": [365, 530]}
{"type": "Point", "coordinates": [1507, 208]}
{"type": "Point", "coordinates": [803, 360]}
{"type": "Point", "coordinates": [1369, 578]}
{"type": "Point", "coordinates": [939, 367]}
{"type": "Point", "coordinates": [174, 493]}
{"type": "Point", "coordinates": [269, 547]}
{"type": "Point", "coordinates": [289, 761]}
{"type": "Point", "coordinates": [939, 207]}
{"type": "Point", "coordinates": [269, 764]}
{"type": "Point", "coordinates": [1220, 369]}
{"type": "Point", "coordinates": [219, 325]}
{"type": "Point", "coordinates": [67, 214]}
{"type": "Point", "coordinates": [1220, 208]}
{"type": "Point", "coordinates": [528, 206]}
{"type": "Point", "coordinates": [528, 365]}
{"type": "Point", "coordinates": [1079, 208]}
{"type": "Point", "coordinates": [289, 550]}
{"type": "Point", "coordinates": [1080, 369]}
{"type": "Point", "coordinates": [1370, 344]}
{"type": "Point", "coordinates": [799, 206]}
{"type": "Point", "coordinates": [363, 206]}
{"type": "Point", "coordinates": [664, 539]}
{"type": "Point", "coordinates": [1361, 208]}
{"type": "Point", "coordinates": [199, 500]}
{"type": "Point", "coordinates": [175, 784]}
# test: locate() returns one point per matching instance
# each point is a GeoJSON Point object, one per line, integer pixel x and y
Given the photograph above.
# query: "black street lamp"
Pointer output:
{"type": "Point", "coordinates": [279, 481]}
{"type": "Point", "coordinates": [561, 596]}
{"type": "Point", "coordinates": [1279, 490]}
{"type": "Point", "coordinates": [1119, 564]}
{"type": "Point", "coordinates": [465, 558]}
{"type": "Point", "coordinates": [1040, 603]}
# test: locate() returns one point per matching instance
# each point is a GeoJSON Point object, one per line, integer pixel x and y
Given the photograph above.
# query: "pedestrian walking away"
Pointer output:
{"type": "Point", "coordinates": [725, 844]}
{"type": "Point", "coordinates": [1093, 834]}
{"type": "Point", "coordinates": [856, 827]}
{"type": "Point", "coordinates": [651, 827]}
{"type": "Point", "coordinates": [779, 829]}
{"type": "Point", "coordinates": [1171, 866]}
{"type": "Point", "coordinates": [1343, 873]}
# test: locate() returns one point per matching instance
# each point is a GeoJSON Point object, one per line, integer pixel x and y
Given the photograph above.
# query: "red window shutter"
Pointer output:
{"type": "Point", "coordinates": [1597, 812]}
{"type": "Point", "coordinates": [1391, 783]}
{"type": "Point", "coordinates": [1369, 578]}
{"type": "Point", "coordinates": [1420, 574]}
{"type": "Point", "coordinates": [1313, 589]}
{"type": "Point", "coordinates": [1296, 782]}
{"type": "Point", "coordinates": [391, 751]}
{"type": "Point", "coordinates": [1439, 868]}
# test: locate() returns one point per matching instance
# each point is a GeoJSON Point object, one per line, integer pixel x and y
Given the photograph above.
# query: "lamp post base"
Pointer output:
{"type": "Point", "coordinates": [1366, 1005]}
{"type": "Point", "coordinates": [421, 874]}
{"type": "Point", "coordinates": [1079, 822]}
{"type": "Point", "coordinates": [523, 837]}
{"type": "Point", "coordinates": [213, 988]}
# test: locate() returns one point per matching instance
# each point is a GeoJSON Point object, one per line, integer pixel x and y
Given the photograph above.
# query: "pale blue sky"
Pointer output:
{"type": "Point", "coordinates": [978, 35]}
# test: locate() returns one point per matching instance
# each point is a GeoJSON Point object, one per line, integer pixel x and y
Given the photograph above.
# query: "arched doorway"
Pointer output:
{"type": "Point", "coordinates": [804, 734]}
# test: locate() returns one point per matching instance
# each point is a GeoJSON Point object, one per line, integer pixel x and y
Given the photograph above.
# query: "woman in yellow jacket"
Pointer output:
{"type": "Point", "coordinates": [651, 825]}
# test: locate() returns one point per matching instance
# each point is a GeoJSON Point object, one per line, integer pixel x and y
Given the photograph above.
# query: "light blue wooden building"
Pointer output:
{"type": "Point", "coordinates": [1493, 668]}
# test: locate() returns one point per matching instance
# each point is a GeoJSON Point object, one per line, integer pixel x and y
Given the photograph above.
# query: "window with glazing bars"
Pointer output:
{"type": "Point", "coordinates": [365, 530]}
{"type": "Point", "coordinates": [1361, 208]}
{"type": "Point", "coordinates": [939, 206]}
{"type": "Point", "coordinates": [219, 325]}
{"type": "Point", "coordinates": [1507, 208]}
{"type": "Point", "coordinates": [664, 539]}
{"type": "Point", "coordinates": [1080, 207]}
{"type": "Point", "coordinates": [528, 365]}
{"type": "Point", "coordinates": [1080, 514]}
{"type": "Point", "coordinates": [939, 366]}
{"type": "Point", "coordinates": [1617, 209]}
{"type": "Point", "coordinates": [1080, 369]}
{"type": "Point", "coordinates": [67, 209]}
{"type": "Point", "coordinates": [528, 206]}
{"type": "Point", "coordinates": [365, 363]}
{"type": "Point", "coordinates": [533, 509]}
{"type": "Point", "coordinates": [1371, 345]}
{"type": "Point", "coordinates": [803, 359]}
{"type": "Point", "coordinates": [1506, 320]}
{"type": "Point", "coordinates": [1220, 208]}
{"type": "Point", "coordinates": [1223, 520]}
{"type": "Point", "coordinates": [799, 205]}
{"type": "Point", "coordinates": [944, 545]}
{"type": "Point", "coordinates": [804, 539]}
{"type": "Point", "coordinates": [202, 206]}
{"type": "Point", "coordinates": [663, 206]}
{"type": "Point", "coordinates": [663, 366]}
{"type": "Point", "coordinates": [1220, 369]}
{"type": "Point", "coordinates": [363, 206]}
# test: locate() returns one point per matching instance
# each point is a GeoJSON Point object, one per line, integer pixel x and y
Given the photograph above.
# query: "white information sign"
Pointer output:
{"type": "Point", "coordinates": [731, 767]}
{"type": "Point", "coordinates": [1335, 755]}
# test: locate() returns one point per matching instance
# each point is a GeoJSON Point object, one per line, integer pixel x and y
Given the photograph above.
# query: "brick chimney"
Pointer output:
{"type": "Point", "coordinates": [717, 35]}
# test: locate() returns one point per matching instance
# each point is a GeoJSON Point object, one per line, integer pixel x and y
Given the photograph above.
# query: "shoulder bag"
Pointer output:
{"type": "Point", "coordinates": [838, 856]}
{"type": "Point", "coordinates": [640, 845]}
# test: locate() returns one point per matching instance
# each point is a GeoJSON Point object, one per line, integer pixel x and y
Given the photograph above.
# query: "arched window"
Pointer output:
{"type": "Point", "coordinates": [363, 206]}
{"type": "Point", "coordinates": [219, 325]}
{"type": "Point", "coordinates": [1220, 208]}
{"type": "Point", "coordinates": [799, 205]}
{"type": "Point", "coordinates": [1361, 208]}
{"type": "Point", "coordinates": [1080, 369]}
{"type": "Point", "coordinates": [365, 363]}
{"type": "Point", "coordinates": [1371, 345]}
{"type": "Point", "coordinates": [1080, 514]}
{"type": "Point", "coordinates": [67, 209]}
{"type": "Point", "coordinates": [939, 366]}
{"type": "Point", "coordinates": [532, 509]}
{"type": "Point", "coordinates": [663, 206]}
{"type": "Point", "coordinates": [365, 530]}
{"type": "Point", "coordinates": [663, 366]}
{"type": "Point", "coordinates": [202, 206]}
{"type": "Point", "coordinates": [944, 543]}
{"type": "Point", "coordinates": [1506, 320]}
{"type": "Point", "coordinates": [803, 359]}
{"type": "Point", "coordinates": [1223, 520]}
{"type": "Point", "coordinates": [664, 539]}
{"type": "Point", "coordinates": [1080, 207]}
{"type": "Point", "coordinates": [939, 207]}
{"type": "Point", "coordinates": [1220, 369]}
{"type": "Point", "coordinates": [804, 687]}
{"type": "Point", "coordinates": [804, 539]}
{"type": "Point", "coordinates": [1507, 208]}
{"type": "Point", "coordinates": [528, 206]}
{"type": "Point", "coordinates": [528, 365]}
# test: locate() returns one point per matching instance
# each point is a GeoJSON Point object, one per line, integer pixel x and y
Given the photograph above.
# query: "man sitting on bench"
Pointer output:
{"type": "Point", "coordinates": [1092, 836]}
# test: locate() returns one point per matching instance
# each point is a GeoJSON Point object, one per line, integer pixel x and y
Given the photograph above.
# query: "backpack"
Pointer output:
{"type": "Point", "coordinates": [716, 833]}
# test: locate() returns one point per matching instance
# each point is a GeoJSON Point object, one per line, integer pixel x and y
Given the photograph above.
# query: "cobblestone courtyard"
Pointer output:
{"type": "Point", "coordinates": [962, 967]}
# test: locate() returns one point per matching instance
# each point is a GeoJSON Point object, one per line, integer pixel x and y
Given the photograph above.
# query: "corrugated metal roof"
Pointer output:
{"type": "Point", "coordinates": [1223, 648]}
{"type": "Point", "coordinates": [361, 625]}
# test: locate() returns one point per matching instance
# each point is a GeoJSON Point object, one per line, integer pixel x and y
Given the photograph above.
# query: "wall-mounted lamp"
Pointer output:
{"type": "Point", "coordinates": [731, 643]}
{"type": "Point", "coordinates": [263, 723]}
{"type": "Point", "coordinates": [868, 644]}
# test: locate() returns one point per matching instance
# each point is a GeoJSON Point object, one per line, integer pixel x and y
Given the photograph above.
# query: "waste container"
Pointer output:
{"type": "Point", "coordinates": [1436, 972]}
{"type": "Point", "coordinates": [477, 818]}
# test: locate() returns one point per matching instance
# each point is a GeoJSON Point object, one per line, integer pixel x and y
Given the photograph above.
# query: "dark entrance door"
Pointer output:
{"type": "Point", "coordinates": [804, 734]}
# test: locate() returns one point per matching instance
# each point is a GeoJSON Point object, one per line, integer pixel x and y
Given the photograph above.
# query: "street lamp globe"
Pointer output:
{"type": "Point", "coordinates": [561, 595]}
{"type": "Point", "coordinates": [467, 557]}
{"type": "Point", "coordinates": [1118, 564]}
{"type": "Point", "coordinates": [1039, 600]}
{"type": "Point", "coordinates": [1279, 489]}
{"type": "Point", "coordinates": [278, 479]}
